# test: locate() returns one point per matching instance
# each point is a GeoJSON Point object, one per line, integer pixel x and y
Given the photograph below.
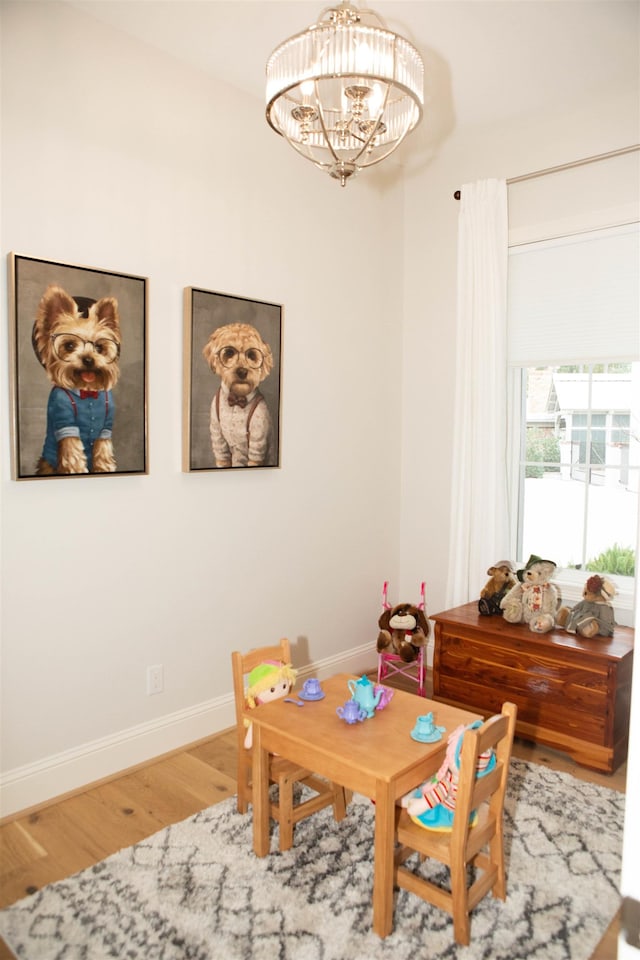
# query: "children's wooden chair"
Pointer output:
{"type": "Point", "coordinates": [480, 846]}
{"type": "Point", "coordinates": [282, 772]}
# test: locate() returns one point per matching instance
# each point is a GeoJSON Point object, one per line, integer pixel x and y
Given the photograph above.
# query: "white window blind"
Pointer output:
{"type": "Point", "coordinates": [575, 299]}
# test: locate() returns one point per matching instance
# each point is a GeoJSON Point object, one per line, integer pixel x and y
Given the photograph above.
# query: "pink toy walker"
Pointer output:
{"type": "Point", "coordinates": [390, 663]}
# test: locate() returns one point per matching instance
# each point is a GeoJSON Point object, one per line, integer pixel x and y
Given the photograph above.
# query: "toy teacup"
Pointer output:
{"type": "Point", "coordinates": [425, 730]}
{"type": "Point", "coordinates": [351, 712]}
{"type": "Point", "coordinates": [311, 689]}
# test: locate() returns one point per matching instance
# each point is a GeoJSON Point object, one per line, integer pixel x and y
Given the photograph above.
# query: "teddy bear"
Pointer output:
{"type": "Point", "coordinates": [433, 803]}
{"type": "Point", "coordinates": [534, 599]}
{"type": "Point", "coordinates": [403, 630]}
{"type": "Point", "coordinates": [593, 615]}
{"type": "Point", "coordinates": [268, 681]}
{"type": "Point", "coordinates": [502, 579]}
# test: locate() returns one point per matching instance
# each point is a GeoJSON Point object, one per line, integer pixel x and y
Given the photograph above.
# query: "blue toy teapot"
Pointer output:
{"type": "Point", "coordinates": [363, 692]}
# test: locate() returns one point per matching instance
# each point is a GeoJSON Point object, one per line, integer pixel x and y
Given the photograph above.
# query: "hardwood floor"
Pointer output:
{"type": "Point", "coordinates": [63, 837]}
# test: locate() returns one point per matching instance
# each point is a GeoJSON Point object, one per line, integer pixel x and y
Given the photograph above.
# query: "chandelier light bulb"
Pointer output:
{"type": "Point", "coordinates": [346, 91]}
{"type": "Point", "coordinates": [375, 99]}
{"type": "Point", "coordinates": [363, 57]}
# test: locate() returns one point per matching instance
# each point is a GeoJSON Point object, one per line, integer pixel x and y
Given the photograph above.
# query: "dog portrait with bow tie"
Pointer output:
{"type": "Point", "coordinates": [232, 366]}
{"type": "Point", "coordinates": [77, 341]}
{"type": "Point", "coordinates": [78, 367]}
{"type": "Point", "coordinates": [240, 423]}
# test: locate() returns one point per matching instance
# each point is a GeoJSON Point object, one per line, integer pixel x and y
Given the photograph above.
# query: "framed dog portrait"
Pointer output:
{"type": "Point", "coordinates": [232, 357]}
{"type": "Point", "coordinates": [79, 370]}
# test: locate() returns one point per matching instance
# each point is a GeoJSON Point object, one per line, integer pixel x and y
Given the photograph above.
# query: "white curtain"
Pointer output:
{"type": "Point", "coordinates": [480, 529]}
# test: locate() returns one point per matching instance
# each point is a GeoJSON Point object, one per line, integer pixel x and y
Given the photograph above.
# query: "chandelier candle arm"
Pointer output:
{"type": "Point", "coordinates": [346, 91]}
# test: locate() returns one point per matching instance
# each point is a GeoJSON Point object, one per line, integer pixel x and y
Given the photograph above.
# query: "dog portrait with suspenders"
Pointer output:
{"type": "Point", "coordinates": [239, 341]}
{"type": "Point", "coordinates": [242, 360]}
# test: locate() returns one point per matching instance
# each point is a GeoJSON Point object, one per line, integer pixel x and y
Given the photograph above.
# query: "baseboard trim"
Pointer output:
{"type": "Point", "coordinates": [62, 774]}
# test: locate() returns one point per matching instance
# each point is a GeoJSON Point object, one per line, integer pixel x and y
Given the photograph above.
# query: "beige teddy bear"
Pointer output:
{"type": "Point", "coordinates": [533, 600]}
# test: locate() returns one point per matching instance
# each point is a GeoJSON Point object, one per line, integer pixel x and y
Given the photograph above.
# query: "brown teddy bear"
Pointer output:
{"type": "Point", "coordinates": [593, 616]}
{"type": "Point", "coordinates": [403, 630]}
{"type": "Point", "coordinates": [502, 578]}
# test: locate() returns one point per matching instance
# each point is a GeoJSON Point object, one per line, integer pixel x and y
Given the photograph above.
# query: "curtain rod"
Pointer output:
{"type": "Point", "coordinates": [566, 166]}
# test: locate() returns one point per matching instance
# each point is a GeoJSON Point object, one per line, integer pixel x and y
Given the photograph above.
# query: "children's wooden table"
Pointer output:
{"type": "Point", "coordinates": [376, 757]}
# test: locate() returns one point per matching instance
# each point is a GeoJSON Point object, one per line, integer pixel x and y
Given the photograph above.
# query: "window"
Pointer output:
{"type": "Point", "coordinates": [574, 358]}
{"type": "Point", "coordinates": [579, 470]}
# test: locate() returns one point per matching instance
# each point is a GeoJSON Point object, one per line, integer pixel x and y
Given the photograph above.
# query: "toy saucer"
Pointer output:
{"type": "Point", "coordinates": [429, 737]}
{"type": "Point", "coordinates": [311, 696]}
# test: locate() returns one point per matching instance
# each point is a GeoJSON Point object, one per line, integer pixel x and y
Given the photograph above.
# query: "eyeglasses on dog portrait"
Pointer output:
{"type": "Point", "coordinates": [232, 353]}
{"type": "Point", "coordinates": [78, 370]}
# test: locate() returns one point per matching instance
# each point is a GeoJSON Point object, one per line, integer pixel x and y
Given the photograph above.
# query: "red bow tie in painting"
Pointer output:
{"type": "Point", "coordinates": [236, 401]}
{"type": "Point", "coordinates": [88, 393]}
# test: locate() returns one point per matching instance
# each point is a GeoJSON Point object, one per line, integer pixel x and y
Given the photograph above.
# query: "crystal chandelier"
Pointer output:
{"type": "Point", "coordinates": [346, 91]}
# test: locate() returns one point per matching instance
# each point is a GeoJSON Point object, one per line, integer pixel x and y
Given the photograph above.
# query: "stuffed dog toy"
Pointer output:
{"type": "Point", "coordinates": [403, 630]}
{"type": "Point", "coordinates": [77, 341]}
{"type": "Point", "coordinates": [240, 423]}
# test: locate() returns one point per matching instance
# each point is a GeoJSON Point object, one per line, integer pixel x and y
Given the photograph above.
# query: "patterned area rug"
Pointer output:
{"type": "Point", "coordinates": [195, 891]}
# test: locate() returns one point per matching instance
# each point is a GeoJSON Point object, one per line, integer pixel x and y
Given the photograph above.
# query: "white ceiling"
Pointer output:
{"type": "Point", "coordinates": [485, 60]}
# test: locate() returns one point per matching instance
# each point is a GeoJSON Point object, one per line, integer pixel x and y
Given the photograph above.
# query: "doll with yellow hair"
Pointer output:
{"type": "Point", "coordinates": [268, 681]}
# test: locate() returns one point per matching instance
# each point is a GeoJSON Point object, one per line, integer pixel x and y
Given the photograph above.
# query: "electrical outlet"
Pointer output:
{"type": "Point", "coordinates": [155, 679]}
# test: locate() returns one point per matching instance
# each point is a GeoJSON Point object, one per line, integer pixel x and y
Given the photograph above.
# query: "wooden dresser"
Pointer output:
{"type": "Point", "coordinates": [572, 694]}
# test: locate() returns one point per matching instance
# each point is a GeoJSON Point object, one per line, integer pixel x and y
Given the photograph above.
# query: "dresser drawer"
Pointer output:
{"type": "Point", "coordinates": [515, 667]}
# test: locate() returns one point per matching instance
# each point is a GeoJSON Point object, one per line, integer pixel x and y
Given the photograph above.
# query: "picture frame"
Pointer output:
{"type": "Point", "coordinates": [232, 382]}
{"type": "Point", "coordinates": [78, 364]}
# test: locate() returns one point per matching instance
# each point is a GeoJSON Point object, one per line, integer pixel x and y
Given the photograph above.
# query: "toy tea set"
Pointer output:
{"type": "Point", "coordinates": [366, 698]}
{"type": "Point", "coordinates": [273, 679]}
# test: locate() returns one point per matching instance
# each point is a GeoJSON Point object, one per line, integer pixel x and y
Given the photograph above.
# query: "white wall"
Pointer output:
{"type": "Point", "coordinates": [115, 156]}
